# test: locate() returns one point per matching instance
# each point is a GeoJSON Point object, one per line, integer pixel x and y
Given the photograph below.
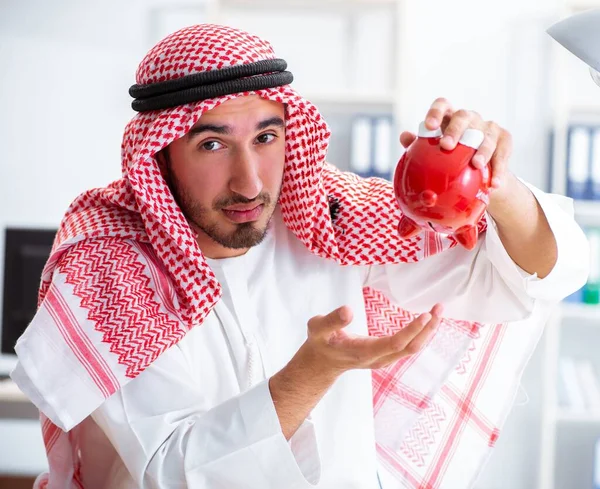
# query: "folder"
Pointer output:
{"type": "Point", "coordinates": [570, 385]}
{"type": "Point", "coordinates": [383, 163]}
{"type": "Point", "coordinates": [595, 166]}
{"type": "Point", "coordinates": [576, 297]}
{"type": "Point", "coordinates": [589, 383]}
{"type": "Point", "coordinates": [596, 468]}
{"type": "Point", "coordinates": [578, 162]}
{"type": "Point", "coordinates": [361, 148]}
{"type": "Point", "coordinates": [591, 290]}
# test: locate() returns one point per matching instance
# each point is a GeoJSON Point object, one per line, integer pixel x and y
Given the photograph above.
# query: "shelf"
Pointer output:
{"type": "Point", "coordinates": [588, 210]}
{"type": "Point", "coordinates": [282, 4]}
{"type": "Point", "coordinates": [581, 5]}
{"type": "Point", "coordinates": [588, 113]}
{"type": "Point", "coordinates": [22, 447]}
{"type": "Point", "coordinates": [352, 100]}
{"type": "Point", "coordinates": [586, 312]}
{"type": "Point", "coordinates": [566, 416]}
{"type": "Point", "coordinates": [7, 363]}
{"type": "Point", "coordinates": [9, 392]}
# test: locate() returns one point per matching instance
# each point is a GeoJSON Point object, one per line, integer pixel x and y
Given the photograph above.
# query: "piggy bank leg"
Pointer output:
{"type": "Point", "coordinates": [467, 236]}
{"type": "Point", "coordinates": [407, 228]}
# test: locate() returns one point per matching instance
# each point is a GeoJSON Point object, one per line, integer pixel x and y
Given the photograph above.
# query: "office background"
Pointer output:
{"type": "Point", "coordinates": [372, 67]}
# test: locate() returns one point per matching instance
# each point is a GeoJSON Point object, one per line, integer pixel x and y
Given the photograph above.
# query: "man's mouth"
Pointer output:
{"type": "Point", "coordinates": [241, 213]}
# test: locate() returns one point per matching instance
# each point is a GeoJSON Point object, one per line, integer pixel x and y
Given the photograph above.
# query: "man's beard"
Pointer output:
{"type": "Point", "coordinates": [245, 235]}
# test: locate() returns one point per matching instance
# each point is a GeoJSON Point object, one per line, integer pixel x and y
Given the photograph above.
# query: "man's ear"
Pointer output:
{"type": "Point", "coordinates": [163, 156]}
{"type": "Point", "coordinates": [164, 162]}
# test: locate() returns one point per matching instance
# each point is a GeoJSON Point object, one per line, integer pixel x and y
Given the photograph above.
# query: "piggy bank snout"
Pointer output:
{"type": "Point", "coordinates": [428, 198]}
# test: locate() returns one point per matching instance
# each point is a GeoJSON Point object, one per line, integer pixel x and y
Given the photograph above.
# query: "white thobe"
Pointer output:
{"type": "Point", "coordinates": [201, 416]}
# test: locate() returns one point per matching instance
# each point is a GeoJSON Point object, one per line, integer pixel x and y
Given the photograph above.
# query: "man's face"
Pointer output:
{"type": "Point", "coordinates": [226, 173]}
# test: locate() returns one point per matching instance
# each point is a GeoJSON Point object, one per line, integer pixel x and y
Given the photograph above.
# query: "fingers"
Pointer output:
{"type": "Point", "coordinates": [344, 351]}
{"type": "Point", "coordinates": [407, 138]}
{"type": "Point", "coordinates": [495, 149]}
{"type": "Point", "coordinates": [335, 320]}
{"type": "Point", "coordinates": [500, 158]}
{"type": "Point", "coordinates": [490, 141]}
{"type": "Point", "coordinates": [461, 120]}
{"type": "Point", "coordinates": [406, 348]}
{"type": "Point", "coordinates": [412, 338]}
{"type": "Point", "coordinates": [437, 310]}
{"type": "Point", "coordinates": [378, 348]}
{"type": "Point", "coordinates": [439, 109]}
{"type": "Point", "coordinates": [418, 342]}
{"type": "Point", "coordinates": [407, 341]}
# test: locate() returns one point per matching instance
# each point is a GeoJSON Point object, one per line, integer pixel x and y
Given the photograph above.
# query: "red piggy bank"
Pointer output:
{"type": "Point", "coordinates": [441, 190]}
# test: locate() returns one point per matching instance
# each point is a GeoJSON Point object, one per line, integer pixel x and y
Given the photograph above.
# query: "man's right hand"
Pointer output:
{"type": "Point", "coordinates": [333, 350]}
{"type": "Point", "coordinates": [329, 351]}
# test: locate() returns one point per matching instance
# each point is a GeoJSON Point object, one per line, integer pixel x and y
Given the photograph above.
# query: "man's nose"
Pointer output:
{"type": "Point", "coordinates": [245, 178]}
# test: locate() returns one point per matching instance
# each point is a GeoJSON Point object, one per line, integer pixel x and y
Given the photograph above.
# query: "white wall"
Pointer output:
{"type": "Point", "coordinates": [487, 56]}
{"type": "Point", "coordinates": [492, 57]}
{"type": "Point", "coordinates": [66, 67]}
{"type": "Point", "coordinates": [65, 70]}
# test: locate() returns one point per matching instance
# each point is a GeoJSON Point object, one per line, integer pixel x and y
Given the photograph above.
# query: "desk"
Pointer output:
{"type": "Point", "coordinates": [9, 392]}
{"type": "Point", "coordinates": [21, 445]}
{"type": "Point", "coordinates": [22, 450]}
{"type": "Point", "coordinates": [14, 404]}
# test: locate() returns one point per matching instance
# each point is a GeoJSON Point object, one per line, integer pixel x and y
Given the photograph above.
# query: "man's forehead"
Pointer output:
{"type": "Point", "coordinates": [245, 103]}
{"type": "Point", "coordinates": [250, 109]}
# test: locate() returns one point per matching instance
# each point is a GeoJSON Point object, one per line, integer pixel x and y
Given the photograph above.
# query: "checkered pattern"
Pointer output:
{"type": "Point", "coordinates": [427, 425]}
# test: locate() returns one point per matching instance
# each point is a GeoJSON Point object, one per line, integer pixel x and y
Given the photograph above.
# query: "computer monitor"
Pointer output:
{"type": "Point", "coordinates": [25, 254]}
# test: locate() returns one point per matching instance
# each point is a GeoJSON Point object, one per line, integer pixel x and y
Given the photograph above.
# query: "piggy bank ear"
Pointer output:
{"type": "Point", "coordinates": [467, 236]}
{"type": "Point", "coordinates": [473, 138]}
{"type": "Point", "coordinates": [427, 133]}
{"type": "Point", "coordinates": [407, 138]}
{"type": "Point", "coordinates": [407, 228]}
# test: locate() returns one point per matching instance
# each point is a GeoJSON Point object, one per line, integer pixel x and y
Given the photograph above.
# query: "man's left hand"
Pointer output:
{"type": "Point", "coordinates": [495, 149]}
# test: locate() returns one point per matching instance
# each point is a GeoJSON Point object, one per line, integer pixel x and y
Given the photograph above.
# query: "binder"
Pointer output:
{"type": "Point", "coordinates": [596, 468]}
{"type": "Point", "coordinates": [574, 399]}
{"type": "Point", "coordinates": [591, 290]}
{"type": "Point", "coordinates": [595, 164]}
{"type": "Point", "coordinates": [576, 297]}
{"type": "Point", "coordinates": [589, 384]}
{"type": "Point", "coordinates": [383, 163]}
{"type": "Point", "coordinates": [578, 162]}
{"type": "Point", "coordinates": [361, 147]}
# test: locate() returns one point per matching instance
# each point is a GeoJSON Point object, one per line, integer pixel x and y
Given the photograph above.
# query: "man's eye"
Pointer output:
{"type": "Point", "coordinates": [265, 138]}
{"type": "Point", "coordinates": [211, 145]}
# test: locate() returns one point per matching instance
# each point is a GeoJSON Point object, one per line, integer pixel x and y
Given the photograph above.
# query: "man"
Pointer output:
{"type": "Point", "coordinates": [233, 312]}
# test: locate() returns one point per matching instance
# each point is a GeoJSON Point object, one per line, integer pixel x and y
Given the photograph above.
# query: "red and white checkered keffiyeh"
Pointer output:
{"type": "Point", "coordinates": [437, 413]}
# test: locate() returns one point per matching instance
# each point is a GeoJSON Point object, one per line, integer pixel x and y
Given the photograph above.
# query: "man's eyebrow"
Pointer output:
{"type": "Point", "coordinates": [226, 130]}
{"type": "Point", "coordinates": [200, 128]}
{"type": "Point", "coordinates": [272, 121]}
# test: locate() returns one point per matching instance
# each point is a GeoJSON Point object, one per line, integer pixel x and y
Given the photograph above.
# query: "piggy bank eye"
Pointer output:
{"type": "Point", "coordinates": [334, 207]}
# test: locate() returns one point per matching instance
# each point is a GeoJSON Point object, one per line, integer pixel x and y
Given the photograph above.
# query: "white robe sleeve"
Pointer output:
{"type": "Point", "coordinates": [484, 284]}
{"type": "Point", "coordinates": [166, 441]}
